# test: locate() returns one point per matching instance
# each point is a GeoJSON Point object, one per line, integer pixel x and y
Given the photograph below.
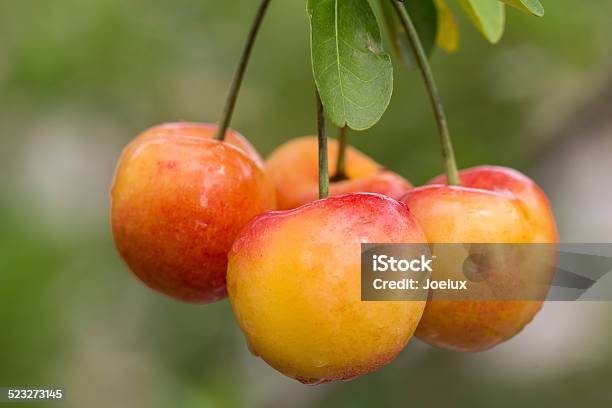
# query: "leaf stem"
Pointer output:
{"type": "Point", "coordinates": [323, 161]}
{"type": "Point", "coordinates": [230, 103]}
{"type": "Point", "coordinates": [341, 158]}
{"type": "Point", "coordinates": [452, 174]}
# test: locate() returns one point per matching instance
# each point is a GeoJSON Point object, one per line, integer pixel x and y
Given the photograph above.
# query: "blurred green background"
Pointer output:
{"type": "Point", "coordinates": [79, 79]}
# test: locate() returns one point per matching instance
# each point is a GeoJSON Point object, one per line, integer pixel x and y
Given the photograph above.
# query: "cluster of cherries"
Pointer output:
{"type": "Point", "coordinates": [197, 219]}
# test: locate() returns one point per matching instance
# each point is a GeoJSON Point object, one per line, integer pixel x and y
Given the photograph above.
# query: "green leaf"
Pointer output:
{"type": "Point", "coordinates": [531, 6]}
{"type": "Point", "coordinates": [353, 74]}
{"type": "Point", "coordinates": [425, 18]}
{"type": "Point", "coordinates": [489, 16]}
{"type": "Point", "coordinates": [396, 33]}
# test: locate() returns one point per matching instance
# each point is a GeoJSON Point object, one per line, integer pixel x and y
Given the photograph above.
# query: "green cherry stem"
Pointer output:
{"type": "Point", "coordinates": [323, 161]}
{"type": "Point", "coordinates": [341, 159]}
{"type": "Point", "coordinates": [430, 83]}
{"type": "Point", "coordinates": [230, 103]}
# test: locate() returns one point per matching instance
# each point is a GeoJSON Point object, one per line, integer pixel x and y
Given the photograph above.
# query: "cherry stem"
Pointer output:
{"type": "Point", "coordinates": [341, 160]}
{"type": "Point", "coordinates": [452, 174]}
{"type": "Point", "coordinates": [230, 103]}
{"type": "Point", "coordinates": [323, 161]}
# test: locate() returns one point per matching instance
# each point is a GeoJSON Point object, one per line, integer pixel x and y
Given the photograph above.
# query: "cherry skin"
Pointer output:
{"type": "Point", "coordinates": [294, 284]}
{"type": "Point", "coordinates": [178, 200]}
{"type": "Point", "coordinates": [294, 168]}
{"type": "Point", "coordinates": [492, 205]}
{"type": "Point", "coordinates": [201, 130]}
